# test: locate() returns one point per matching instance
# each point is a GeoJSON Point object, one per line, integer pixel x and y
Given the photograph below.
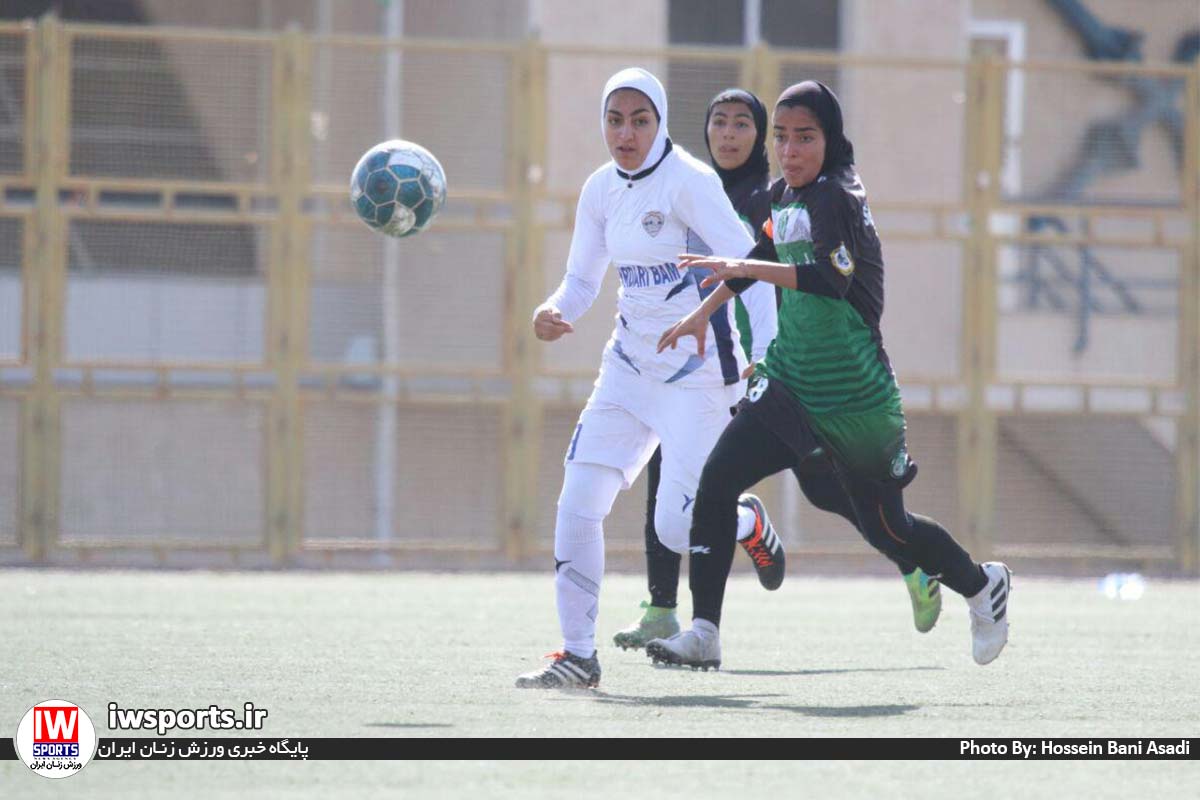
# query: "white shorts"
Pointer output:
{"type": "Point", "coordinates": [628, 416]}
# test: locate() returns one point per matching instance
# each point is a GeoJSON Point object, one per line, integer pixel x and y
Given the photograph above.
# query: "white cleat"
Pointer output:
{"type": "Point", "coordinates": [989, 617]}
{"type": "Point", "coordinates": [687, 649]}
{"type": "Point", "coordinates": [566, 671]}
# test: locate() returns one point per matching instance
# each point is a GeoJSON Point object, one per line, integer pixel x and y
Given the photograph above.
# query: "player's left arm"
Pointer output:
{"type": "Point", "coordinates": [834, 212]}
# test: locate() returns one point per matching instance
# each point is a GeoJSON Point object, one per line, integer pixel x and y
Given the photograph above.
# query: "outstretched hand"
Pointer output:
{"type": "Point", "coordinates": [692, 325]}
{"type": "Point", "coordinates": [722, 268]}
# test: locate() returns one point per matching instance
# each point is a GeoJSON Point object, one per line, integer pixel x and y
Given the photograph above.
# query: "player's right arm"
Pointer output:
{"type": "Point", "coordinates": [695, 324]}
{"type": "Point", "coordinates": [739, 274]}
{"type": "Point", "coordinates": [586, 265]}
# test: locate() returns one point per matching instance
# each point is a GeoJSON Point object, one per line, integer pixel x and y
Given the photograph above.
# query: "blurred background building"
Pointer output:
{"type": "Point", "coordinates": [205, 359]}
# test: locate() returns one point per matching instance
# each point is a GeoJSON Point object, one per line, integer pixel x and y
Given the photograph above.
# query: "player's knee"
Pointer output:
{"type": "Point", "coordinates": [576, 529]}
{"type": "Point", "coordinates": [589, 490]}
{"type": "Point", "coordinates": [673, 528]}
{"type": "Point", "coordinates": [717, 485]}
{"type": "Point", "coordinates": [889, 534]}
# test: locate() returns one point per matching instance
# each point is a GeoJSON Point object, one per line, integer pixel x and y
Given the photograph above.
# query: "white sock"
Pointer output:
{"type": "Point", "coordinates": [579, 561]}
{"type": "Point", "coordinates": [704, 628]}
{"type": "Point", "coordinates": [746, 519]}
{"type": "Point", "coordinates": [981, 601]}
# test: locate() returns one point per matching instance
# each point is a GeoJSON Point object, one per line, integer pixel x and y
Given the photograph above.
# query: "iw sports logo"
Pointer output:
{"type": "Point", "coordinates": [55, 732]}
{"type": "Point", "coordinates": [56, 739]}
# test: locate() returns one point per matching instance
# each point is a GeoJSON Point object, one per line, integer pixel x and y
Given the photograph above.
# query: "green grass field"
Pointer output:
{"type": "Point", "coordinates": [433, 655]}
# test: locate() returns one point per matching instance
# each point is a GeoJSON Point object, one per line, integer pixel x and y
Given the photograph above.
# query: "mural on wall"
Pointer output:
{"type": "Point", "coordinates": [1074, 279]}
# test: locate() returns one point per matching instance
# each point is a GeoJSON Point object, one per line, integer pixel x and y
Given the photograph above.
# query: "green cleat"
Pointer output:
{"type": "Point", "coordinates": [656, 623]}
{"type": "Point", "coordinates": [926, 595]}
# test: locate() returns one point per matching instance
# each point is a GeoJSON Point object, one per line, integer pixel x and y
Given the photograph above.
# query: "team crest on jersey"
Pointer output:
{"type": "Point", "coordinates": [841, 259]}
{"type": "Point", "coordinates": [652, 222]}
{"type": "Point", "coordinates": [792, 224]}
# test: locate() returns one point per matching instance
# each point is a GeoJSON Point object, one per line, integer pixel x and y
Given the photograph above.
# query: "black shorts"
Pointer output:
{"type": "Point", "coordinates": [777, 409]}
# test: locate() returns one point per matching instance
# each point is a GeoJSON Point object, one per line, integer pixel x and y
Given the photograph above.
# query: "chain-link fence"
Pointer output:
{"type": "Point", "coordinates": [205, 358]}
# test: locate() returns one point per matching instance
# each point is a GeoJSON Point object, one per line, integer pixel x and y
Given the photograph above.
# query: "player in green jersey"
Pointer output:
{"type": "Point", "coordinates": [825, 389]}
{"type": "Point", "coordinates": [735, 134]}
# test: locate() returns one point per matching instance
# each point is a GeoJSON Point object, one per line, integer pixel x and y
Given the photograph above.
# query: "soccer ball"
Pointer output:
{"type": "Point", "coordinates": [398, 187]}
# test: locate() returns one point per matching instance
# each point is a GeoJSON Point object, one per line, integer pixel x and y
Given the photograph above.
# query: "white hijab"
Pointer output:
{"type": "Point", "coordinates": [647, 84]}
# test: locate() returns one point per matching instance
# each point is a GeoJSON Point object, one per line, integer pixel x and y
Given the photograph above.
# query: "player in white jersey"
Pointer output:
{"type": "Point", "coordinates": [652, 202]}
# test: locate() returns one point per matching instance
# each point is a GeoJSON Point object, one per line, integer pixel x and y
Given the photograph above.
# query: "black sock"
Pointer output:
{"type": "Point", "coordinates": [945, 556]}
{"type": "Point", "coordinates": [662, 564]}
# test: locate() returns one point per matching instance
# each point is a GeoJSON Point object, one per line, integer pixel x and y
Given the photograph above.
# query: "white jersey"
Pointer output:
{"type": "Point", "coordinates": [641, 226]}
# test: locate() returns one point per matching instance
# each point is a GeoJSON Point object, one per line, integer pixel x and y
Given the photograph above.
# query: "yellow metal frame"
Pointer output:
{"type": "Point", "coordinates": [523, 271]}
{"type": "Point", "coordinates": [977, 423]}
{"type": "Point", "coordinates": [524, 210]}
{"type": "Point", "coordinates": [289, 284]}
{"type": "Point", "coordinates": [47, 80]}
{"type": "Point", "coordinates": [1187, 448]}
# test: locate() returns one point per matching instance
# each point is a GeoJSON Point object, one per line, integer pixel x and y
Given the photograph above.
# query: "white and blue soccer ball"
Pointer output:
{"type": "Point", "coordinates": [397, 188]}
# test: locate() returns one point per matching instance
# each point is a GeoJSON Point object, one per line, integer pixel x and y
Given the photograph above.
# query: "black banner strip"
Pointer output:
{"type": "Point", "coordinates": [396, 749]}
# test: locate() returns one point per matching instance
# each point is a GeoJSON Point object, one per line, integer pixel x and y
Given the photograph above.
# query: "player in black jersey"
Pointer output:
{"type": "Point", "coordinates": [825, 389]}
{"type": "Point", "coordinates": [735, 129]}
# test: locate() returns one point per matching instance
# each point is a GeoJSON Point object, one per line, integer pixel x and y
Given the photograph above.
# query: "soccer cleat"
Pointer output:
{"type": "Point", "coordinates": [763, 545]}
{"type": "Point", "coordinates": [989, 618]}
{"type": "Point", "coordinates": [686, 649]}
{"type": "Point", "coordinates": [926, 595]}
{"type": "Point", "coordinates": [566, 671]}
{"type": "Point", "coordinates": [656, 623]}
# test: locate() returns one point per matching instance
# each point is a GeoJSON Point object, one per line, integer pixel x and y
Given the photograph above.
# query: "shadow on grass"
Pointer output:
{"type": "Point", "coordinates": [844, 711]}
{"type": "Point", "coordinates": [685, 701]}
{"type": "Point", "coordinates": [751, 702]}
{"type": "Point", "coordinates": [407, 725]}
{"type": "Point", "coordinates": [783, 672]}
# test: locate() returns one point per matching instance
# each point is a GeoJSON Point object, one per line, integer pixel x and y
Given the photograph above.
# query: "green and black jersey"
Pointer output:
{"type": "Point", "coordinates": [829, 350]}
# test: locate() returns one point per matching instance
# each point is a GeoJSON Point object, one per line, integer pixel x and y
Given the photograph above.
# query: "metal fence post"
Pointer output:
{"type": "Point", "coordinates": [976, 423]}
{"type": "Point", "coordinates": [766, 85]}
{"type": "Point", "coordinates": [522, 422]}
{"type": "Point", "coordinates": [288, 282]}
{"type": "Point", "coordinates": [760, 74]}
{"type": "Point", "coordinates": [1187, 446]}
{"type": "Point", "coordinates": [44, 274]}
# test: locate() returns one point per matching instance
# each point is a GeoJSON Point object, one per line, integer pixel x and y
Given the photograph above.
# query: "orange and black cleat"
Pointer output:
{"type": "Point", "coordinates": [763, 545]}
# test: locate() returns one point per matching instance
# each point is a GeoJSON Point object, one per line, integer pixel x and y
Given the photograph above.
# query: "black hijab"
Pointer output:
{"type": "Point", "coordinates": [757, 164]}
{"type": "Point", "coordinates": [823, 103]}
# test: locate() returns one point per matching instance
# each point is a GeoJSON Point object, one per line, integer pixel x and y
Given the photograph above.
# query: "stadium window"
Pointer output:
{"type": "Point", "coordinates": [718, 22]}
{"type": "Point", "coordinates": [782, 24]}
{"type": "Point", "coordinates": [808, 25]}
{"type": "Point", "coordinates": [505, 20]}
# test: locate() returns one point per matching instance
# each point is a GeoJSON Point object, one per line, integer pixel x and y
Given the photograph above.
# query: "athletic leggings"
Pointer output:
{"type": "Point", "coordinates": [662, 563]}
{"type": "Point", "coordinates": [746, 453]}
{"type": "Point", "coordinates": [820, 485]}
